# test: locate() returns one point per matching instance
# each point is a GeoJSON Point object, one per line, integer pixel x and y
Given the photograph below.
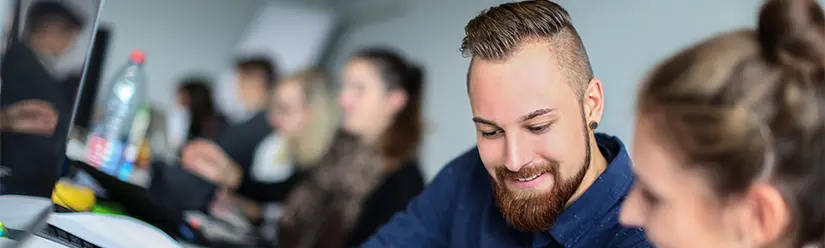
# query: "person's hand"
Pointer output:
{"type": "Point", "coordinates": [227, 204]}
{"type": "Point", "coordinates": [209, 161]}
{"type": "Point", "coordinates": [29, 116]}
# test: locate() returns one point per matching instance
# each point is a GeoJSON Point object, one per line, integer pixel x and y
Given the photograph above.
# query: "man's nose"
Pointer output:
{"type": "Point", "coordinates": [518, 153]}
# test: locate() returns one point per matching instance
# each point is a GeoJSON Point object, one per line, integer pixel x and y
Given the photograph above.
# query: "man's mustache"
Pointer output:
{"type": "Point", "coordinates": [527, 171]}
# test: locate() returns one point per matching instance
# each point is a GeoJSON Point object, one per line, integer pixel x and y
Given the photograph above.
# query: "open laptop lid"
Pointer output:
{"type": "Point", "coordinates": [21, 236]}
{"type": "Point", "coordinates": [24, 216]}
{"type": "Point", "coordinates": [44, 75]}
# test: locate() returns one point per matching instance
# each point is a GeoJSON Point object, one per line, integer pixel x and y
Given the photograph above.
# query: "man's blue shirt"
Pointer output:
{"type": "Point", "coordinates": [458, 209]}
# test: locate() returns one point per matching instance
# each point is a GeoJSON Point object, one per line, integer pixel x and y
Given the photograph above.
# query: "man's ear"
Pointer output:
{"type": "Point", "coordinates": [398, 99]}
{"type": "Point", "coordinates": [593, 101]}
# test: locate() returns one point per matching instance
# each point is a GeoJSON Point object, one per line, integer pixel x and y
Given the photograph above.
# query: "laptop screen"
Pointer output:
{"type": "Point", "coordinates": [45, 56]}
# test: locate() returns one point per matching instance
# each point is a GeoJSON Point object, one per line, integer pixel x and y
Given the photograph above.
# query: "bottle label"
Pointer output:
{"type": "Point", "coordinates": [112, 161]}
{"type": "Point", "coordinates": [97, 150]}
{"type": "Point", "coordinates": [125, 171]}
{"type": "Point", "coordinates": [103, 153]}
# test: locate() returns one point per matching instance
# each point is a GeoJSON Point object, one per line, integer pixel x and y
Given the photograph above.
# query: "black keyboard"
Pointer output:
{"type": "Point", "coordinates": [62, 237]}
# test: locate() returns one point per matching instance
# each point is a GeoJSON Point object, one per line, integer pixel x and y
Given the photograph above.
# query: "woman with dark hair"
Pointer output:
{"type": "Point", "coordinates": [372, 165]}
{"type": "Point", "coordinates": [730, 138]}
{"type": "Point", "coordinates": [194, 115]}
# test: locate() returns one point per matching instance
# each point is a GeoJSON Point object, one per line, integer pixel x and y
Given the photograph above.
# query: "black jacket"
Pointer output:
{"type": "Point", "coordinates": [34, 160]}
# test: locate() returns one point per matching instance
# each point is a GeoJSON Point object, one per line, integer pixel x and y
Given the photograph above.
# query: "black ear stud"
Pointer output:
{"type": "Point", "coordinates": [594, 125]}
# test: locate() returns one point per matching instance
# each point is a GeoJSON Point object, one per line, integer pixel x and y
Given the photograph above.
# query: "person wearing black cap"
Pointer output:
{"type": "Point", "coordinates": [34, 111]}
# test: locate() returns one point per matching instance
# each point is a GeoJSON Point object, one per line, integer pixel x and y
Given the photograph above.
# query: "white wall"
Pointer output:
{"type": "Point", "coordinates": [624, 39]}
{"type": "Point", "coordinates": [293, 35]}
{"type": "Point", "coordinates": [429, 33]}
{"type": "Point", "coordinates": [178, 36]}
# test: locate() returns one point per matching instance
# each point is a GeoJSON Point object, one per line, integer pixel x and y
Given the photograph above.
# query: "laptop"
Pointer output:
{"type": "Point", "coordinates": [26, 233]}
{"type": "Point", "coordinates": [141, 204]}
{"type": "Point", "coordinates": [27, 224]}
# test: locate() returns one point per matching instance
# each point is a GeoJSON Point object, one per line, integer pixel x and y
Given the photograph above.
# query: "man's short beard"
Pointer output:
{"type": "Point", "coordinates": [537, 211]}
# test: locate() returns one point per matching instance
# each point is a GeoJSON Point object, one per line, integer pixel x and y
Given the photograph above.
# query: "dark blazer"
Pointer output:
{"type": "Point", "coordinates": [34, 160]}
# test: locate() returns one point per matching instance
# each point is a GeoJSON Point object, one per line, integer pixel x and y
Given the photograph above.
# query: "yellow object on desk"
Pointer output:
{"type": "Point", "coordinates": [75, 198]}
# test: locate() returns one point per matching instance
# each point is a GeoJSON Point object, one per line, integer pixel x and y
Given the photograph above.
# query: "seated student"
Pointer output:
{"type": "Point", "coordinates": [236, 145]}
{"type": "Point", "coordinates": [730, 138]}
{"type": "Point", "coordinates": [194, 115]}
{"type": "Point", "coordinates": [370, 173]}
{"type": "Point", "coordinates": [541, 175]}
{"type": "Point", "coordinates": [304, 113]}
{"type": "Point", "coordinates": [34, 110]}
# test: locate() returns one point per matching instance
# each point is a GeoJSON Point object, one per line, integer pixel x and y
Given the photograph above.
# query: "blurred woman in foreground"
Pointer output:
{"type": "Point", "coordinates": [730, 138]}
{"type": "Point", "coordinates": [372, 167]}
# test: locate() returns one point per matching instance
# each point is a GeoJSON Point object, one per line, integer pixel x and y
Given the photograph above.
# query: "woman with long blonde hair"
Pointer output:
{"type": "Point", "coordinates": [304, 113]}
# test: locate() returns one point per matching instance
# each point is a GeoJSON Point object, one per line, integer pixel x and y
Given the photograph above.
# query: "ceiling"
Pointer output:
{"type": "Point", "coordinates": [359, 11]}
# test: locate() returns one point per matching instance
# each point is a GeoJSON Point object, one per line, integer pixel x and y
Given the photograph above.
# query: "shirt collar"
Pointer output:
{"type": "Point", "coordinates": [608, 189]}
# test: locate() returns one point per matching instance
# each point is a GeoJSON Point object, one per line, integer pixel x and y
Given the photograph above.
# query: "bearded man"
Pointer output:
{"type": "Point", "coordinates": [541, 176]}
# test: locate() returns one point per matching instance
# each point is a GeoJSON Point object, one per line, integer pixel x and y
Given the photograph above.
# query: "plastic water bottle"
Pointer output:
{"type": "Point", "coordinates": [115, 141]}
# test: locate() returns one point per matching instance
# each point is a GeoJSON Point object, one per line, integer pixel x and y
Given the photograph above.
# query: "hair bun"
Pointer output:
{"type": "Point", "coordinates": [792, 33]}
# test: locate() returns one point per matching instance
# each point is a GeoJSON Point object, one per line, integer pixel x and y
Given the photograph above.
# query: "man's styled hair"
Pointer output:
{"type": "Point", "coordinates": [44, 12]}
{"type": "Point", "coordinates": [500, 31]}
{"type": "Point", "coordinates": [259, 64]}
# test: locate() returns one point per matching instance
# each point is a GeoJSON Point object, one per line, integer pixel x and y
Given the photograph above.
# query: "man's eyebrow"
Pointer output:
{"type": "Point", "coordinates": [536, 113]}
{"type": "Point", "coordinates": [480, 120]}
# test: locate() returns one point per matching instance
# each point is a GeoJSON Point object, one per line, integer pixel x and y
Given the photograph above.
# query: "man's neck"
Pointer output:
{"type": "Point", "coordinates": [598, 163]}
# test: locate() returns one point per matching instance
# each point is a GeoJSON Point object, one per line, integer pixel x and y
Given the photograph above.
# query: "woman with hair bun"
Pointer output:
{"type": "Point", "coordinates": [730, 138]}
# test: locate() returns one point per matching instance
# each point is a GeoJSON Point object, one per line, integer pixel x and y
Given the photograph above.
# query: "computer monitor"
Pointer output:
{"type": "Point", "coordinates": [45, 58]}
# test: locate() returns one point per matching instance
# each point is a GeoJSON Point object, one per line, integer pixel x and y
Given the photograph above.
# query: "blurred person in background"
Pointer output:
{"type": "Point", "coordinates": [730, 138]}
{"type": "Point", "coordinates": [303, 111]}
{"type": "Point", "coordinates": [542, 176]}
{"type": "Point", "coordinates": [194, 115]}
{"type": "Point", "coordinates": [226, 160]}
{"type": "Point", "coordinates": [371, 170]}
{"type": "Point", "coordinates": [34, 110]}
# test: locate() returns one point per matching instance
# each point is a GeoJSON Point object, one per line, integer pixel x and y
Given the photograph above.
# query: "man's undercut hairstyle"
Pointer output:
{"type": "Point", "coordinates": [499, 32]}
{"type": "Point", "coordinates": [44, 12]}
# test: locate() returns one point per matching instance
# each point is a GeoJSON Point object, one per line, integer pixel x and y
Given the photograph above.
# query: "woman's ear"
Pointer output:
{"type": "Point", "coordinates": [397, 100]}
{"type": "Point", "coordinates": [765, 215]}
